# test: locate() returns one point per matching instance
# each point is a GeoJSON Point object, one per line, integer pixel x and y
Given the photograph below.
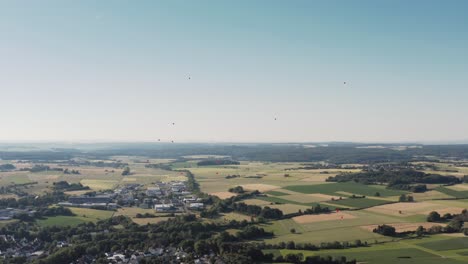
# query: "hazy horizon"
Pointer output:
{"type": "Point", "coordinates": [243, 71]}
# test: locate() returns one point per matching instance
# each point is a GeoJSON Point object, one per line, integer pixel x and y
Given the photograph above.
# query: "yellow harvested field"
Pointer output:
{"type": "Point", "coordinates": [430, 195]}
{"type": "Point", "coordinates": [234, 216]}
{"type": "Point", "coordinates": [453, 234]}
{"type": "Point", "coordinates": [308, 198]}
{"type": "Point", "coordinates": [317, 178]}
{"type": "Point", "coordinates": [99, 184]}
{"type": "Point", "coordinates": [223, 195]}
{"type": "Point", "coordinates": [345, 193]}
{"type": "Point", "coordinates": [286, 208]}
{"type": "Point", "coordinates": [289, 208]}
{"type": "Point", "coordinates": [256, 202]}
{"type": "Point", "coordinates": [260, 187]}
{"type": "Point", "coordinates": [6, 196]}
{"type": "Point", "coordinates": [459, 187]}
{"type": "Point", "coordinates": [404, 227]}
{"type": "Point", "coordinates": [305, 219]}
{"type": "Point", "coordinates": [405, 209]}
{"type": "Point", "coordinates": [43, 177]}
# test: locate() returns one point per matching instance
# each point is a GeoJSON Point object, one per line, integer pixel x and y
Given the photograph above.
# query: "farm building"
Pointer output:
{"type": "Point", "coordinates": [163, 207]}
{"type": "Point", "coordinates": [153, 191]}
{"type": "Point", "coordinates": [196, 206]}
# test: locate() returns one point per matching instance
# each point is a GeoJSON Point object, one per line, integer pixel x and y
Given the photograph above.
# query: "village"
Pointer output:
{"type": "Point", "coordinates": [167, 197]}
{"type": "Point", "coordinates": [30, 250]}
{"type": "Point", "coordinates": [162, 197]}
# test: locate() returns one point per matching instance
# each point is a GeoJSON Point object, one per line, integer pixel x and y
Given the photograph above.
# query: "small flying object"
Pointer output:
{"type": "Point", "coordinates": [172, 141]}
{"type": "Point", "coordinates": [159, 139]}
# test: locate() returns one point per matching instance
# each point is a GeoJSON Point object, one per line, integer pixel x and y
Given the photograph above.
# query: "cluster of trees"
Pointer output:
{"type": "Point", "coordinates": [313, 210]}
{"type": "Point", "coordinates": [67, 171]}
{"type": "Point", "coordinates": [17, 189]}
{"type": "Point", "coordinates": [388, 230]}
{"type": "Point", "coordinates": [35, 201]}
{"type": "Point", "coordinates": [436, 217]}
{"type": "Point", "coordinates": [247, 233]}
{"type": "Point", "coordinates": [298, 258]}
{"type": "Point", "coordinates": [40, 168]}
{"type": "Point", "coordinates": [232, 176]}
{"type": "Point", "coordinates": [187, 232]}
{"type": "Point", "coordinates": [404, 179]}
{"type": "Point", "coordinates": [237, 189]}
{"type": "Point", "coordinates": [36, 168]}
{"type": "Point", "coordinates": [257, 211]}
{"type": "Point", "coordinates": [161, 166]}
{"type": "Point", "coordinates": [406, 198]}
{"type": "Point", "coordinates": [192, 185]}
{"type": "Point", "coordinates": [385, 230]}
{"type": "Point", "coordinates": [217, 162]}
{"type": "Point", "coordinates": [7, 167]}
{"type": "Point", "coordinates": [455, 222]}
{"type": "Point", "coordinates": [126, 171]}
{"type": "Point", "coordinates": [317, 210]}
{"type": "Point", "coordinates": [53, 211]}
{"type": "Point", "coordinates": [317, 166]}
{"type": "Point", "coordinates": [417, 188]}
{"type": "Point", "coordinates": [310, 246]}
{"type": "Point", "coordinates": [44, 212]}
{"type": "Point", "coordinates": [145, 215]}
{"type": "Point", "coordinates": [100, 164]}
{"type": "Point", "coordinates": [65, 186]}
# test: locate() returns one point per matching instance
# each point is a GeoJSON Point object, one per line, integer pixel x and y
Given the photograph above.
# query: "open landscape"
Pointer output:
{"type": "Point", "coordinates": [233, 132]}
{"type": "Point", "coordinates": [316, 208]}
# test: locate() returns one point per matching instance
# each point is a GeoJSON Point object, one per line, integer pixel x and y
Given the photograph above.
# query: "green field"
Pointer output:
{"type": "Point", "coordinates": [82, 215]}
{"type": "Point", "coordinates": [62, 221]}
{"type": "Point", "coordinates": [340, 188]}
{"type": "Point", "coordinates": [283, 201]}
{"type": "Point", "coordinates": [454, 193]}
{"type": "Point", "coordinates": [405, 251]}
{"type": "Point", "coordinates": [357, 202]}
{"type": "Point", "coordinates": [384, 256]}
{"type": "Point", "coordinates": [447, 244]}
{"type": "Point", "coordinates": [276, 193]}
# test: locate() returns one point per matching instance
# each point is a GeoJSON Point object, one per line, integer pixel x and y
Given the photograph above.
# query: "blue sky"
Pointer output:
{"type": "Point", "coordinates": [118, 70]}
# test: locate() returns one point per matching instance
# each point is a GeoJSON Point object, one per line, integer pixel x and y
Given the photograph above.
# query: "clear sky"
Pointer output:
{"type": "Point", "coordinates": [119, 70]}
